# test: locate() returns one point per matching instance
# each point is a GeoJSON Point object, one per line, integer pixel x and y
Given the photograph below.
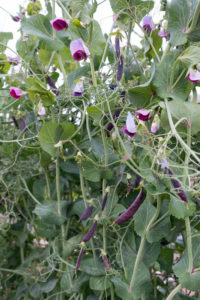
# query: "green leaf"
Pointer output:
{"type": "Point", "coordinates": [4, 38]}
{"type": "Point", "coordinates": [181, 209]}
{"type": "Point", "coordinates": [161, 79]}
{"type": "Point", "coordinates": [157, 43]}
{"type": "Point", "coordinates": [47, 137]}
{"type": "Point", "coordinates": [159, 231]}
{"type": "Point", "coordinates": [166, 259]}
{"type": "Point", "coordinates": [37, 89]}
{"type": "Point", "coordinates": [179, 13]}
{"type": "Point", "coordinates": [69, 286]}
{"type": "Point", "coordinates": [51, 133]}
{"type": "Point", "coordinates": [78, 73]}
{"type": "Point", "coordinates": [90, 267]}
{"type": "Point", "coordinates": [97, 40]}
{"type": "Point", "coordinates": [190, 56]}
{"type": "Point", "coordinates": [27, 49]}
{"type": "Point", "coordinates": [39, 25]}
{"type": "Point", "coordinates": [71, 244]}
{"type": "Point", "coordinates": [121, 288]}
{"type": "Point", "coordinates": [49, 285]}
{"type": "Point", "coordinates": [95, 112]}
{"type": "Point", "coordinates": [4, 65]}
{"type": "Point", "coordinates": [99, 283]}
{"type": "Point", "coordinates": [118, 5]}
{"type": "Point", "coordinates": [143, 216]}
{"type": "Point", "coordinates": [141, 95]}
{"type": "Point", "coordinates": [35, 291]}
{"type": "Point", "coordinates": [191, 281]}
{"type": "Point", "coordinates": [180, 109]}
{"type": "Point", "coordinates": [48, 213]}
{"type": "Point", "coordinates": [150, 253]}
{"type": "Point", "coordinates": [91, 172]}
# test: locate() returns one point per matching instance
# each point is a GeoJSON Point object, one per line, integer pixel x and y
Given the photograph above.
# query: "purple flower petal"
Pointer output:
{"type": "Point", "coordinates": [163, 34]}
{"type": "Point", "coordinates": [15, 92]}
{"type": "Point", "coordinates": [164, 163]}
{"type": "Point", "coordinates": [78, 89]}
{"type": "Point", "coordinates": [125, 131]}
{"type": "Point", "coordinates": [194, 76]}
{"type": "Point", "coordinates": [154, 128]}
{"type": "Point", "coordinates": [16, 18]}
{"type": "Point", "coordinates": [148, 24]}
{"type": "Point", "coordinates": [13, 60]}
{"type": "Point", "coordinates": [130, 123]}
{"type": "Point", "coordinates": [143, 114]}
{"type": "Point", "coordinates": [59, 24]}
{"type": "Point", "coordinates": [78, 50]}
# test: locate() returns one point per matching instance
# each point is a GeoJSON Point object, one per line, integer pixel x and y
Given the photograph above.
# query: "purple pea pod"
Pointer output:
{"type": "Point", "coordinates": [113, 86]}
{"type": "Point", "coordinates": [129, 212]}
{"type": "Point", "coordinates": [120, 68]}
{"type": "Point", "coordinates": [78, 262]}
{"type": "Point", "coordinates": [52, 84]}
{"type": "Point", "coordinates": [15, 122]}
{"type": "Point", "coordinates": [90, 233]}
{"type": "Point", "coordinates": [116, 114]}
{"type": "Point", "coordinates": [117, 46]}
{"type": "Point", "coordinates": [87, 213]}
{"type": "Point", "coordinates": [177, 185]}
{"type": "Point", "coordinates": [106, 262]}
{"type": "Point", "coordinates": [104, 201]}
{"type": "Point", "coordinates": [137, 181]}
{"type": "Point", "coordinates": [22, 125]}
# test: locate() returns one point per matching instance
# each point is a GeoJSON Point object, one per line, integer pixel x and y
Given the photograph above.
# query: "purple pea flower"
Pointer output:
{"type": "Point", "coordinates": [155, 124]}
{"type": "Point", "coordinates": [164, 164]}
{"type": "Point", "coordinates": [143, 114]}
{"type": "Point", "coordinates": [78, 89]}
{"type": "Point", "coordinates": [163, 34]}
{"type": "Point", "coordinates": [130, 127]}
{"type": "Point", "coordinates": [148, 24]}
{"type": "Point", "coordinates": [13, 60]}
{"type": "Point", "coordinates": [16, 18]}
{"type": "Point", "coordinates": [194, 76]}
{"type": "Point", "coordinates": [59, 24]}
{"type": "Point", "coordinates": [15, 92]}
{"type": "Point", "coordinates": [78, 50]}
{"type": "Point", "coordinates": [41, 109]}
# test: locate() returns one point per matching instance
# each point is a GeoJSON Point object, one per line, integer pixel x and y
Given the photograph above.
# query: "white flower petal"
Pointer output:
{"type": "Point", "coordinates": [130, 123]}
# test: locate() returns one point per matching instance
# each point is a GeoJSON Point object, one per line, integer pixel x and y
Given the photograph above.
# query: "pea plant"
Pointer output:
{"type": "Point", "coordinates": [100, 161]}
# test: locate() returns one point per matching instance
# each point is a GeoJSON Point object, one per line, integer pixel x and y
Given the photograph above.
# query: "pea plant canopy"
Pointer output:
{"type": "Point", "coordinates": [100, 161]}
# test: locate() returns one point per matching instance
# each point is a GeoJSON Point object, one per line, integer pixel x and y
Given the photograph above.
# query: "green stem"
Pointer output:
{"type": "Point", "coordinates": [59, 199]}
{"type": "Point", "coordinates": [187, 219]}
{"type": "Point", "coordinates": [142, 244]}
{"type": "Point", "coordinates": [53, 16]}
{"type": "Point", "coordinates": [63, 71]}
{"type": "Point", "coordinates": [112, 292]}
{"type": "Point", "coordinates": [28, 191]}
{"type": "Point", "coordinates": [173, 74]}
{"type": "Point", "coordinates": [128, 39]}
{"type": "Point", "coordinates": [48, 185]}
{"type": "Point", "coordinates": [174, 292]}
{"type": "Point", "coordinates": [138, 259]}
{"type": "Point", "coordinates": [195, 19]}
{"type": "Point", "coordinates": [22, 254]}
{"type": "Point", "coordinates": [65, 10]}
{"type": "Point", "coordinates": [93, 72]}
